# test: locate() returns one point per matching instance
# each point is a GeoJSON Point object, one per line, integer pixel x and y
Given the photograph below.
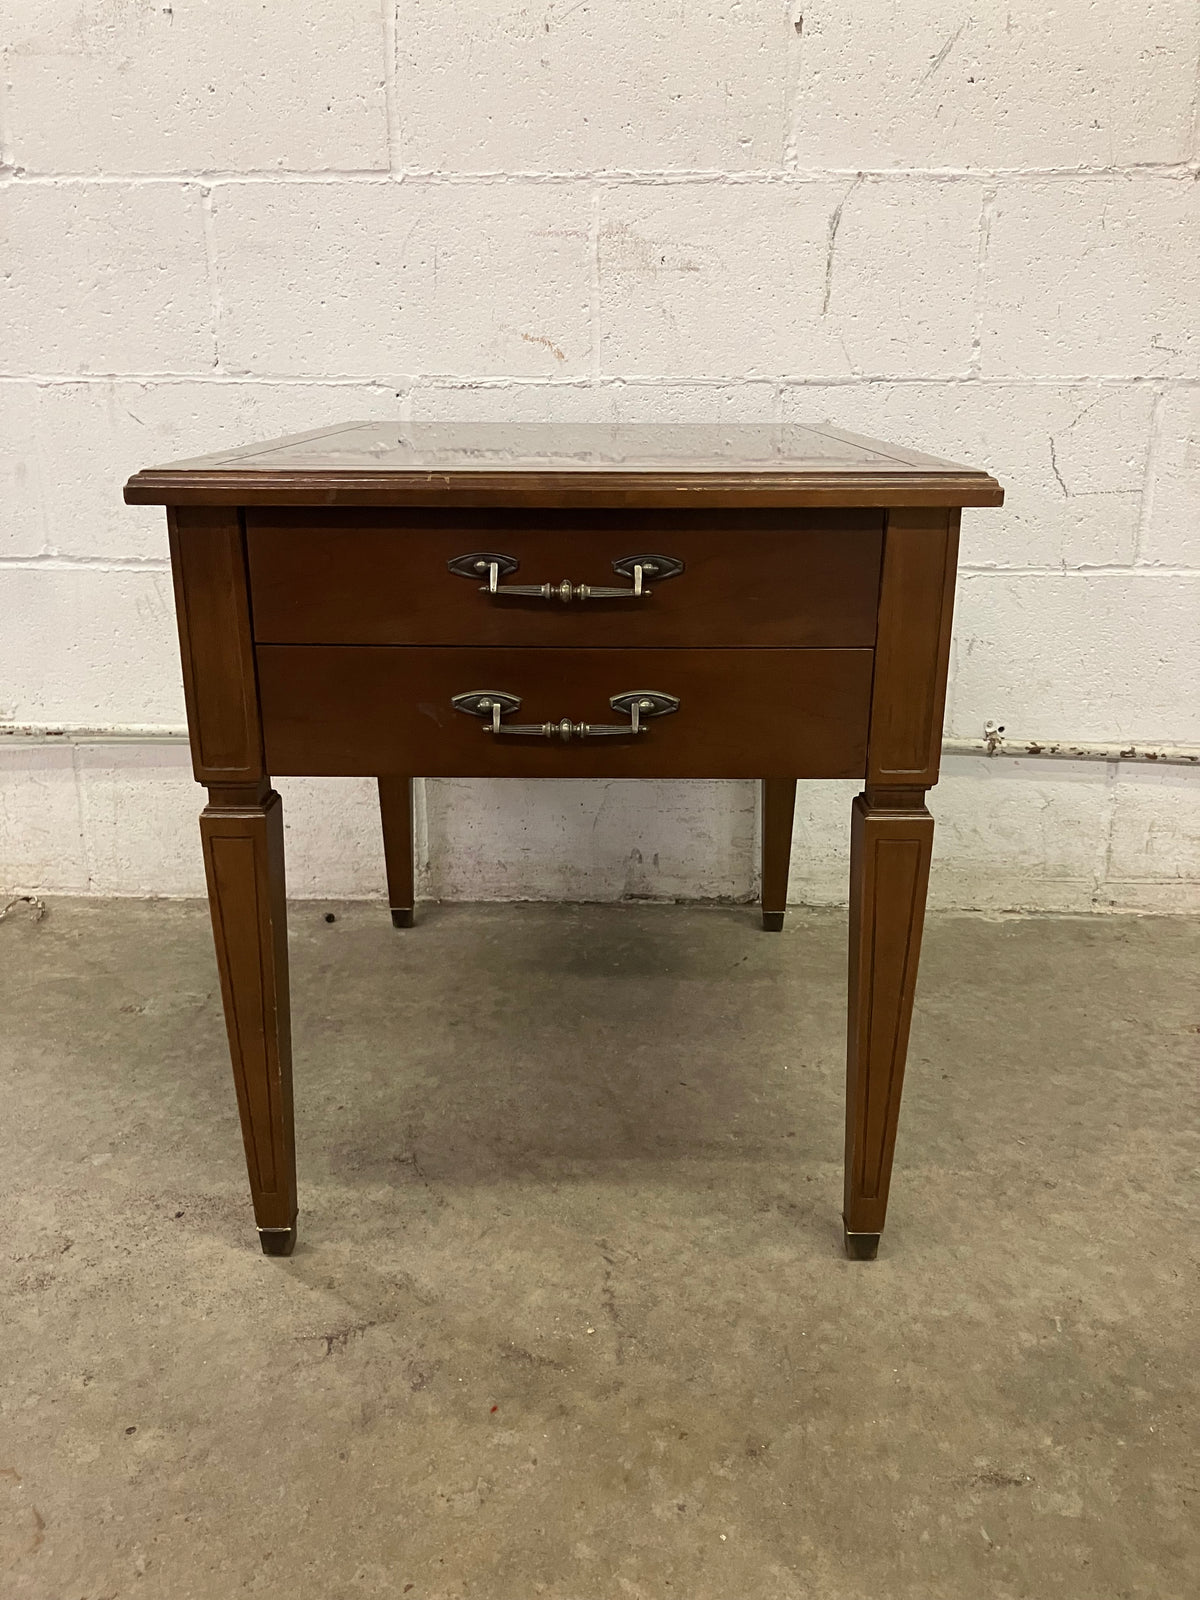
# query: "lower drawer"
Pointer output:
{"type": "Point", "coordinates": [329, 709]}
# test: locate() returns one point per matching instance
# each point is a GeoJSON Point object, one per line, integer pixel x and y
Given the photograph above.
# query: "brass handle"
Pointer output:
{"type": "Point", "coordinates": [637, 704]}
{"type": "Point", "coordinates": [640, 570]}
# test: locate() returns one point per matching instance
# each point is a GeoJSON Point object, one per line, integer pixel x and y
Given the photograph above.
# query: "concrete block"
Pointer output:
{"type": "Point", "coordinates": [332, 839]}
{"type": "Point", "coordinates": [103, 278]}
{"type": "Point", "coordinates": [1072, 458]}
{"type": "Point", "coordinates": [90, 648]}
{"type": "Point", "coordinates": [1017, 835]}
{"type": "Point", "coordinates": [182, 87]}
{"type": "Point", "coordinates": [41, 830]}
{"type": "Point", "coordinates": [140, 808]}
{"type": "Point", "coordinates": [1093, 277]}
{"type": "Point", "coordinates": [808, 279]}
{"type": "Point", "coordinates": [1096, 656]}
{"type": "Point", "coordinates": [106, 431]}
{"type": "Point", "coordinates": [355, 280]}
{"type": "Point", "coordinates": [1154, 862]}
{"type": "Point", "coordinates": [581, 87]}
{"type": "Point", "coordinates": [926, 85]}
{"type": "Point", "coordinates": [1172, 533]}
{"type": "Point", "coordinates": [22, 481]}
{"type": "Point", "coordinates": [594, 402]}
{"type": "Point", "coordinates": [1011, 835]}
{"type": "Point", "coordinates": [820, 868]}
{"type": "Point", "coordinates": [612, 840]}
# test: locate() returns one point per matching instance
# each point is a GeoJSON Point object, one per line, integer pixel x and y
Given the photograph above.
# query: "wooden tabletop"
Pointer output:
{"type": "Point", "coordinates": [567, 465]}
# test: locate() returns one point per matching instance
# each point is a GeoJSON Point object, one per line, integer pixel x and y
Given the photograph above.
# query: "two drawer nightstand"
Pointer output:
{"type": "Point", "coordinates": [588, 602]}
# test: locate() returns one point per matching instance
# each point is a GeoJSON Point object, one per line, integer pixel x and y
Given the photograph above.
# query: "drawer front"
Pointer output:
{"type": "Point", "coordinates": [741, 714]}
{"type": "Point", "coordinates": [750, 578]}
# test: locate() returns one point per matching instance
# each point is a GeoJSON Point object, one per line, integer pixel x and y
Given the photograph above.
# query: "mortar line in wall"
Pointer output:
{"type": "Point", "coordinates": [420, 807]}
{"type": "Point", "coordinates": [791, 91]}
{"type": "Point", "coordinates": [390, 111]}
{"type": "Point", "coordinates": [949, 719]}
{"type": "Point", "coordinates": [781, 176]}
{"type": "Point", "coordinates": [1139, 753]}
{"type": "Point", "coordinates": [596, 332]}
{"type": "Point", "coordinates": [1099, 570]}
{"type": "Point", "coordinates": [17, 178]}
{"type": "Point", "coordinates": [1103, 869]}
{"type": "Point", "coordinates": [1105, 380]}
{"type": "Point", "coordinates": [987, 207]}
{"type": "Point", "coordinates": [83, 813]}
{"type": "Point", "coordinates": [1149, 474]}
{"type": "Point", "coordinates": [210, 271]}
{"type": "Point", "coordinates": [56, 561]}
{"type": "Point", "coordinates": [206, 376]}
{"type": "Point", "coordinates": [43, 466]}
{"type": "Point", "coordinates": [404, 402]}
{"type": "Point", "coordinates": [778, 176]}
{"type": "Point", "coordinates": [453, 380]}
{"type": "Point", "coordinates": [7, 152]}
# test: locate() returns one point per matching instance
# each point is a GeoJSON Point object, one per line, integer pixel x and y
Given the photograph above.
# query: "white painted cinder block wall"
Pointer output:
{"type": "Point", "coordinates": [970, 228]}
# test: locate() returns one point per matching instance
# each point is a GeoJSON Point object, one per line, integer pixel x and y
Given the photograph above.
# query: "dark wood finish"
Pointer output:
{"type": "Point", "coordinates": [808, 637]}
{"type": "Point", "coordinates": [912, 649]}
{"type": "Point", "coordinates": [891, 842]}
{"type": "Point", "coordinates": [651, 465]}
{"type": "Point", "coordinates": [242, 834]}
{"type": "Point", "coordinates": [208, 559]}
{"type": "Point", "coordinates": [360, 708]}
{"type": "Point", "coordinates": [778, 812]}
{"type": "Point", "coordinates": [395, 815]}
{"type": "Point", "coordinates": [795, 578]}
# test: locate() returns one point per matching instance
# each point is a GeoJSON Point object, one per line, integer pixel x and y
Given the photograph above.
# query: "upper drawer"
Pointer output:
{"type": "Point", "coordinates": [794, 578]}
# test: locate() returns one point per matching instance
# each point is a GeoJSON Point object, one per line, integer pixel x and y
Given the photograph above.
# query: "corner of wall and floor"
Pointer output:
{"type": "Point", "coordinates": [417, 211]}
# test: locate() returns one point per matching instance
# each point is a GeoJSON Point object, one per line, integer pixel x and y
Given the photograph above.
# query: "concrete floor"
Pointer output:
{"type": "Point", "coordinates": [569, 1316]}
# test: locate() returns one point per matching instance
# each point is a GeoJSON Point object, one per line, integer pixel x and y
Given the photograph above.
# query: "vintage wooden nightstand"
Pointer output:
{"type": "Point", "coordinates": [589, 602]}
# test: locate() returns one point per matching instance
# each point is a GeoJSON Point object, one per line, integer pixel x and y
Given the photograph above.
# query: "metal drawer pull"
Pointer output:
{"type": "Point", "coordinates": [640, 570]}
{"type": "Point", "coordinates": [637, 704]}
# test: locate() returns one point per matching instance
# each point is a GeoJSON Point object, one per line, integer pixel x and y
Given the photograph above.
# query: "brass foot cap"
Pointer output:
{"type": "Point", "coordinates": [402, 919]}
{"type": "Point", "coordinates": [772, 921]}
{"type": "Point", "coordinates": [862, 1246]}
{"type": "Point", "coordinates": [277, 1241]}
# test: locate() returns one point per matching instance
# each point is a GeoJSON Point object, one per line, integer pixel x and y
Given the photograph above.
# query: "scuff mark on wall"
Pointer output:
{"type": "Point", "coordinates": [943, 52]}
{"type": "Point", "coordinates": [835, 223]}
{"type": "Point", "coordinates": [641, 255]}
{"type": "Point", "coordinates": [540, 338]}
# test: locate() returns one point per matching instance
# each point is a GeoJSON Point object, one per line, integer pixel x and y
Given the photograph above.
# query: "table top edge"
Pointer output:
{"type": "Point", "coordinates": [646, 488]}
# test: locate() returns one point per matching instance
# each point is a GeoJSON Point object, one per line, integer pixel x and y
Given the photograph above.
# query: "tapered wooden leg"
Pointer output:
{"type": "Point", "coordinates": [242, 831]}
{"type": "Point", "coordinates": [395, 813]}
{"type": "Point", "coordinates": [778, 810]}
{"type": "Point", "coordinates": [891, 842]}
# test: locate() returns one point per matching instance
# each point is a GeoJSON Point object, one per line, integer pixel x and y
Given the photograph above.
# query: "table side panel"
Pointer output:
{"type": "Point", "coordinates": [208, 562]}
{"type": "Point", "coordinates": [912, 654]}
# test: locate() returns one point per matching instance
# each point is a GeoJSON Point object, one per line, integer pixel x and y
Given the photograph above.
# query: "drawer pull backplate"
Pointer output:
{"type": "Point", "coordinates": [637, 704]}
{"type": "Point", "coordinates": [640, 570]}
